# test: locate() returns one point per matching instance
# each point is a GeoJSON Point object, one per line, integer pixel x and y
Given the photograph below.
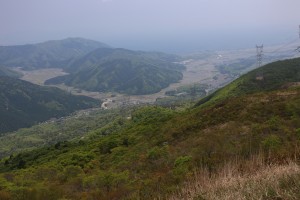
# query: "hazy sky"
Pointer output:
{"type": "Point", "coordinates": [165, 25]}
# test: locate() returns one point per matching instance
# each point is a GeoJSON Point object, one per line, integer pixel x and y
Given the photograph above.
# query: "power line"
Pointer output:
{"type": "Point", "coordinates": [282, 46]}
{"type": "Point", "coordinates": [259, 50]}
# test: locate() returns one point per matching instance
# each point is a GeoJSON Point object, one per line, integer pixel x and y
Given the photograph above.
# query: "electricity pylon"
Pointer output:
{"type": "Point", "coordinates": [298, 48]}
{"type": "Point", "coordinates": [259, 54]}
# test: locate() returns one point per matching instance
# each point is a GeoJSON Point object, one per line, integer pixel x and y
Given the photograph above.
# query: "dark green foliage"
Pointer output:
{"type": "Point", "coordinates": [56, 53]}
{"type": "Point", "coordinates": [8, 72]}
{"type": "Point", "coordinates": [122, 71]}
{"type": "Point", "coordinates": [23, 104]}
{"type": "Point", "coordinates": [83, 125]}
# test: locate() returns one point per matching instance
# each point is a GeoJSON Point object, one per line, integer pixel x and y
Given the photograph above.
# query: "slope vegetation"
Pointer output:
{"type": "Point", "coordinates": [55, 53]}
{"type": "Point", "coordinates": [272, 76]}
{"type": "Point", "coordinates": [73, 127]}
{"type": "Point", "coordinates": [23, 104]}
{"type": "Point", "coordinates": [157, 149]}
{"type": "Point", "coordinates": [122, 70]}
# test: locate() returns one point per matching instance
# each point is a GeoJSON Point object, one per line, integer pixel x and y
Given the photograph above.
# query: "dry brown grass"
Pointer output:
{"type": "Point", "coordinates": [253, 179]}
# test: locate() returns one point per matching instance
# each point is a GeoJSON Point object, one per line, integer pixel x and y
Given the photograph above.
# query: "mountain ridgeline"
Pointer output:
{"type": "Point", "coordinates": [121, 70]}
{"type": "Point", "coordinates": [149, 155]}
{"type": "Point", "coordinates": [50, 54]}
{"type": "Point", "coordinates": [272, 76]}
{"type": "Point", "coordinates": [23, 104]}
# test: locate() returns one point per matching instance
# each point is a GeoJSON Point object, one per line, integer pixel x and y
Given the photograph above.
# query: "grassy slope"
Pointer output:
{"type": "Point", "coordinates": [159, 148]}
{"type": "Point", "coordinates": [23, 104]}
{"type": "Point", "coordinates": [256, 180]}
{"type": "Point", "coordinates": [275, 75]}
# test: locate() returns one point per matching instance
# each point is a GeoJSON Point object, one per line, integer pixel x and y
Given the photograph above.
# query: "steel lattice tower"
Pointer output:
{"type": "Point", "coordinates": [298, 48]}
{"type": "Point", "coordinates": [259, 54]}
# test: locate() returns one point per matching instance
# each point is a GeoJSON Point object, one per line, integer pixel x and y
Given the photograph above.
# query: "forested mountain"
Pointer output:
{"type": "Point", "coordinates": [95, 66]}
{"type": "Point", "coordinates": [151, 153]}
{"type": "Point", "coordinates": [23, 104]}
{"type": "Point", "coordinates": [55, 53]}
{"type": "Point", "coordinates": [121, 70]}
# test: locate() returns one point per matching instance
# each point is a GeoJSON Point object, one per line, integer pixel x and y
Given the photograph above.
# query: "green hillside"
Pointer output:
{"type": "Point", "coordinates": [23, 104]}
{"type": "Point", "coordinates": [55, 53]}
{"type": "Point", "coordinates": [51, 132]}
{"type": "Point", "coordinates": [8, 72]}
{"type": "Point", "coordinates": [151, 154]}
{"type": "Point", "coordinates": [272, 76]}
{"type": "Point", "coordinates": [121, 70]}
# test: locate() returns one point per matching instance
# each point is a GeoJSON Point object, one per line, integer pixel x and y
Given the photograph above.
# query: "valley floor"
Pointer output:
{"type": "Point", "coordinates": [201, 71]}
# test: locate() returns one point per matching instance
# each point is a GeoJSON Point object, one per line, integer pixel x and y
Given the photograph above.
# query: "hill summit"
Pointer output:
{"type": "Point", "coordinates": [122, 70]}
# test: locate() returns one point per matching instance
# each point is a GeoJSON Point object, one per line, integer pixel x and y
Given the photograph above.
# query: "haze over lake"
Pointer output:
{"type": "Point", "coordinates": [174, 26]}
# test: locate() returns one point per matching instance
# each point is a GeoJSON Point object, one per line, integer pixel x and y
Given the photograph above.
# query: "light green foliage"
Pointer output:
{"type": "Point", "coordinates": [271, 143]}
{"type": "Point", "coordinates": [181, 165]}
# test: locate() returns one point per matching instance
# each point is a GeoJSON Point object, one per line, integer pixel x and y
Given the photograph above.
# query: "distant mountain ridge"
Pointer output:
{"type": "Point", "coordinates": [94, 66]}
{"type": "Point", "coordinates": [23, 104]}
{"type": "Point", "coordinates": [122, 70]}
{"type": "Point", "coordinates": [54, 53]}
